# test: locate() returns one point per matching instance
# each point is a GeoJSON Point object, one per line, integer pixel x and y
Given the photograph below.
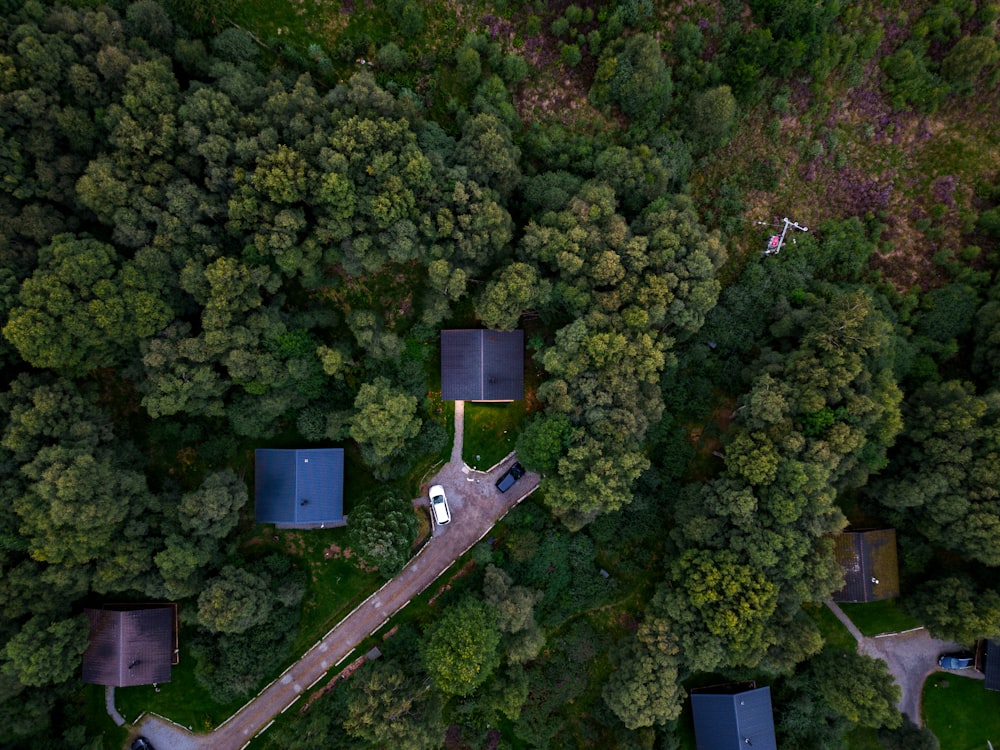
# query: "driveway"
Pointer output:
{"type": "Point", "coordinates": [911, 656]}
{"type": "Point", "coordinates": [476, 506]}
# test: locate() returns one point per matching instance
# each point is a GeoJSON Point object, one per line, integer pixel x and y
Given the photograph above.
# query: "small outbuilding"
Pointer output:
{"type": "Point", "coordinates": [131, 645]}
{"type": "Point", "coordinates": [299, 489]}
{"type": "Point", "coordinates": [868, 559]}
{"type": "Point", "coordinates": [733, 717]}
{"type": "Point", "coordinates": [481, 365]}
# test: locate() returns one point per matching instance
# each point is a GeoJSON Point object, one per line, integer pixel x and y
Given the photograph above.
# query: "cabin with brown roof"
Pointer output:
{"type": "Point", "coordinates": [131, 645]}
{"type": "Point", "coordinates": [481, 365]}
{"type": "Point", "coordinates": [868, 560]}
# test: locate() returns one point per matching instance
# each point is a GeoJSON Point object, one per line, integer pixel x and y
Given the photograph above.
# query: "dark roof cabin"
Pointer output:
{"type": "Point", "coordinates": [991, 668]}
{"type": "Point", "coordinates": [131, 646]}
{"type": "Point", "coordinates": [733, 717]}
{"type": "Point", "coordinates": [481, 365]}
{"type": "Point", "coordinates": [868, 559]}
{"type": "Point", "coordinates": [299, 489]}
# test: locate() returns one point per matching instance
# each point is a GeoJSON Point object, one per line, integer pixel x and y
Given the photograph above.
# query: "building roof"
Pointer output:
{"type": "Point", "coordinates": [733, 719]}
{"type": "Point", "coordinates": [302, 489]}
{"type": "Point", "coordinates": [992, 666]}
{"type": "Point", "coordinates": [481, 365]}
{"type": "Point", "coordinates": [868, 559]}
{"type": "Point", "coordinates": [130, 646]}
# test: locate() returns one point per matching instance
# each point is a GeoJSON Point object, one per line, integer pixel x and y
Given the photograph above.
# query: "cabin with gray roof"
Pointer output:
{"type": "Point", "coordinates": [733, 717]}
{"type": "Point", "coordinates": [130, 645]}
{"type": "Point", "coordinates": [299, 489]}
{"type": "Point", "coordinates": [481, 365]}
{"type": "Point", "coordinates": [868, 560]}
{"type": "Point", "coordinates": [991, 665]}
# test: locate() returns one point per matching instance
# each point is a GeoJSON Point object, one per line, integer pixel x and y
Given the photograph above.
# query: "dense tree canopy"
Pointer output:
{"type": "Point", "coordinates": [213, 239]}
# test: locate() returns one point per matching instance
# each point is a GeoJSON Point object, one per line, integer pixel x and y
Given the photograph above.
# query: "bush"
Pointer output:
{"type": "Point", "coordinates": [515, 69]}
{"type": "Point", "coordinates": [571, 55]}
{"type": "Point", "coordinates": [235, 45]}
{"type": "Point", "coordinates": [962, 66]}
{"type": "Point", "coordinates": [391, 58]}
{"type": "Point", "coordinates": [469, 66]}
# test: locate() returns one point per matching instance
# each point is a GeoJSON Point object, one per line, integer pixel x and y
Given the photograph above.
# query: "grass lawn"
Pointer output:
{"type": "Point", "coordinates": [835, 635]}
{"type": "Point", "coordinates": [962, 714]}
{"type": "Point", "coordinates": [491, 432]}
{"type": "Point", "coordinates": [863, 738]}
{"type": "Point", "coordinates": [879, 617]}
{"type": "Point", "coordinates": [183, 699]}
{"type": "Point", "coordinates": [335, 585]}
{"type": "Point", "coordinates": [98, 721]}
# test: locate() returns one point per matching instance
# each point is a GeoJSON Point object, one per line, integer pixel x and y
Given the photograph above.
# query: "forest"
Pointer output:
{"type": "Point", "coordinates": [228, 224]}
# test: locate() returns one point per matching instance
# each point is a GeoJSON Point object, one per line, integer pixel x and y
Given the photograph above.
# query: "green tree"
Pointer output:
{"type": "Point", "coordinates": [515, 608]}
{"type": "Point", "coordinates": [544, 441]}
{"type": "Point", "coordinates": [631, 74]}
{"type": "Point", "coordinates": [966, 60]}
{"type": "Point", "coordinates": [234, 601]}
{"type": "Point", "coordinates": [946, 472]}
{"type": "Point", "coordinates": [488, 150]}
{"type": "Point", "coordinates": [717, 608]}
{"type": "Point", "coordinates": [956, 608]}
{"type": "Point", "coordinates": [713, 113]}
{"type": "Point", "coordinates": [46, 652]}
{"type": "Point", "coordinates": [645, 690]}
{"type": "Point", "coordinates": [76, 504]}
{"type": "Point", "coordinates": [213, 509]}
{"type": "Point", "coordinates": [77, 312]}
{"type": "Point", "coordinates": [382, 532]}
{"type": "Point", "coordinates": [504, 299]}
{"type": "Point", "coordinates": [468, 66]}
{"type": "Point", "coordinates": [858, 687]}
{"type": "Point", "coordinates": [461, 650]}
{"type": "Point", "coordinates": [388, 708]}
{"type": "Point", "coordinates": [385, 423]}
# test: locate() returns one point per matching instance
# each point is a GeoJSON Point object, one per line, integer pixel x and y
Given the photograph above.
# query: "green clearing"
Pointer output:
{"type": "Point", "coordinates": [491, 432]}
{"type": "Point", "coordinates": [98, 721]}
{"type": "Point", "coordinates": [835, 635]}
{"type": "Point", "coordinates": [962, 714]}
{"type": "Point", "coordinates": [335, 584]}
{"type": "Point", "coordinates": [183, 699]}
{"type": "Point", "coordinates": [879, 617]}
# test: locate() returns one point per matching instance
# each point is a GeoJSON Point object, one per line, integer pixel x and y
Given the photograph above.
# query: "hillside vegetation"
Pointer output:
{"type": "Point", "coordinates": [237, 224]}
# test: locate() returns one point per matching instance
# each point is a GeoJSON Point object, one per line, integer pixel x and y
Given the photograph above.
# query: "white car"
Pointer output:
{"type": "Point", "coordinates": [439, 505]}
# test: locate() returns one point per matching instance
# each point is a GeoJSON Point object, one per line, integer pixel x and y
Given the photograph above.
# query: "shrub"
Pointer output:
{"type": "Point", "coordinates": [571, 55]}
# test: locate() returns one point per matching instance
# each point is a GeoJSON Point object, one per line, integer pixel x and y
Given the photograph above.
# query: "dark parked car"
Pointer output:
{"type": "Point", "coordinates": [141, 743]}
{"type": "Point", "coordinates": [961, 660]}
{"type": "Point", "coordinates": [514, 473]}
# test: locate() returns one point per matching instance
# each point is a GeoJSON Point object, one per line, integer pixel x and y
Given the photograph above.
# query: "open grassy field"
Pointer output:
{"type": "Point", "coordinates": [879, 617]}
{"type": "Point", "coordinates": [834, 633]}
{"type": "Point", "coordinates": [490, 432]}
{"type": "Point", "coordinates": [962, 714]}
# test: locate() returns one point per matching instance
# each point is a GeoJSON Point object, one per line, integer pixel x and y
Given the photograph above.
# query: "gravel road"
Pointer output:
{"type": "Point", "coordinates": [911, 657]}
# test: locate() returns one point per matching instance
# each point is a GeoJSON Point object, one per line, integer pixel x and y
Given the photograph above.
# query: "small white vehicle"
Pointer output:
{"type": "Point", "coordinates": [439, 505]}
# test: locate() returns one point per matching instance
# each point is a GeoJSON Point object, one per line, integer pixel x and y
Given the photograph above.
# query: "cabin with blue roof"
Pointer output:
{"type": "Point", "coordinates": [733, 717]}
{"type": "Point", "coordinates": [299, 489]}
